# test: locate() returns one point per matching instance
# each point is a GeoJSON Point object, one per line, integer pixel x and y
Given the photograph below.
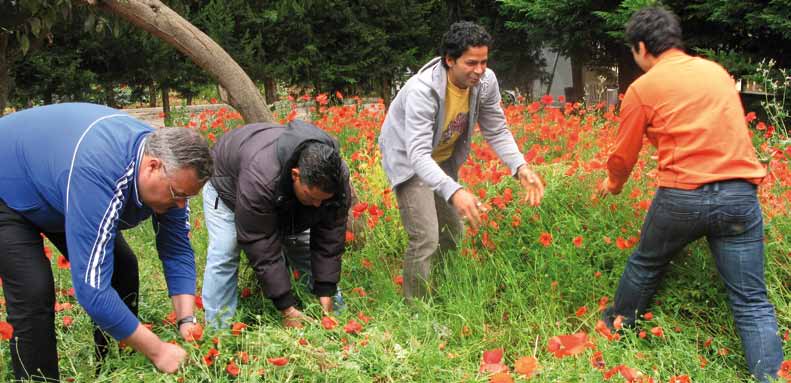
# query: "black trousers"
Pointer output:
{"type": "Point", "coordinates": [29, 289]}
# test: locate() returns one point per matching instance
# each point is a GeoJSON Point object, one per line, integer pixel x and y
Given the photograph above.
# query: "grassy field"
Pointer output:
{"type": "Point", "coordinates": [529, 275]}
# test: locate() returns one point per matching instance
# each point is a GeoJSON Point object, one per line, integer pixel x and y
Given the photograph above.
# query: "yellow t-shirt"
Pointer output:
{"type": "Point", "coordinates": [457, 115]}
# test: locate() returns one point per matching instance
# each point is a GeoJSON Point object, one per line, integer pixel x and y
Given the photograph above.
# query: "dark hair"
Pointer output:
{"type": "Point", "coordinates": [320, 166]}
{"type": "Point", "coordinates": [657, 27]}
{"type": "Point", "coordinates": [461, 36]}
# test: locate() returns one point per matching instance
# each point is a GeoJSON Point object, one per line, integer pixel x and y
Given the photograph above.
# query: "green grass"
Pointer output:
{"type": "Point", "coordinates": [516, 297]}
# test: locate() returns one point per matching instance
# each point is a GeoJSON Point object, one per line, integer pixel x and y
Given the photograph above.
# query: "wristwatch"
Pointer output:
{"type": "Point", "coordinates": [185, 320]}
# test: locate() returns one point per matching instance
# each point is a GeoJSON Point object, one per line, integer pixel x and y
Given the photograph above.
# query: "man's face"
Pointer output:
{"type": "Point", "coordinates": [162, 189]}
{"type": "Point", "coordinates": [467, 70]}
{"type": "Point", "coordinates": [308, 195]}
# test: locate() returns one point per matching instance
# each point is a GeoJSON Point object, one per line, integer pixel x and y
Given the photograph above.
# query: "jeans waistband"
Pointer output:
{"type": "Point", "coordinates": [737, 184]}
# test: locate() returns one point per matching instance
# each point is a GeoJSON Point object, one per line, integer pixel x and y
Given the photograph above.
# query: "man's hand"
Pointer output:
{"type": "Point", "coordinates": [534, 189]}
{"type": "Point", "coordinates": [604, 188]}
{"type": "Point", "coordinates": [165, 356]}
{"type": "Point", "coordinates": [326, 304]}
{"type": "Point", "coordinates": [468, 207]}
{"type": "Point", "coordinates": [169, 357]}
{"type": "Point", "coordinates": [292, 318]}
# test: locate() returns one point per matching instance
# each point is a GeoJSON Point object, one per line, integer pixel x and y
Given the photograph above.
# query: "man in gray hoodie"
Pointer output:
{"type": "Point", "coordinates": [426, 138]}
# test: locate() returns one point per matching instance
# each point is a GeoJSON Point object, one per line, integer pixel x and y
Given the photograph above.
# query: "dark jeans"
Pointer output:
{"type": "Point", "coordinates": [727, 213]}
{"type": "Point", "coordinates": [29, 289]}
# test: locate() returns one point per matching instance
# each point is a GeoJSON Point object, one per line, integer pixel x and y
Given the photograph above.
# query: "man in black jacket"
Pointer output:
{"type": "Point", "coordinates": [271, 184]}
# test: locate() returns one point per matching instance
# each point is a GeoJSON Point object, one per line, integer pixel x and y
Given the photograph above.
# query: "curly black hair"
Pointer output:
{"type": "Point", "coordinates": [461, 36]}
{"type": "Point", "coordinates": [657, 27]}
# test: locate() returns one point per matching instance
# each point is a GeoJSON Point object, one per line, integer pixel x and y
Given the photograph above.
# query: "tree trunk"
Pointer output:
{"type": "Point", "coordinates": [161, 21]}
{"type": "Point", "coordinates": [386, 92]}
{"type": "Point", "coordinates": [166, 102]}
{"type": "Point", "coordinates": [270, 89]}
{"type": "Point", "coordinates": [5, 68]}
{"type": "Point", "coordinates": [109, 95]}
{"type": "Point", "coordinates": [152, 96]}
{"type": "Point", "coordinates": [628, 71]}
{"type": "Point", "coordinates": [578, 84]}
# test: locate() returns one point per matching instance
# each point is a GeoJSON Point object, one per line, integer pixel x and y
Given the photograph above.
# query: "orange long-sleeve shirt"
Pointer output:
{"type": "Point", "coordinates": [690, 111]}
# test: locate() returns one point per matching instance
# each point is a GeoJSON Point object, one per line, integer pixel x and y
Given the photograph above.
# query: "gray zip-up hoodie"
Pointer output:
{"type": "Point", "coordinates": [413, 127]}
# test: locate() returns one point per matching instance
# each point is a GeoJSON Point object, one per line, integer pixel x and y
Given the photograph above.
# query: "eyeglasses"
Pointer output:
{"type": "Point", "coordinates": [175, 196]}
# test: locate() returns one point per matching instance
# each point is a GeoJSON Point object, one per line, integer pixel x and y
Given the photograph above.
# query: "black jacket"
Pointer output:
{"type": "Point", "coordinates": [252, 175]}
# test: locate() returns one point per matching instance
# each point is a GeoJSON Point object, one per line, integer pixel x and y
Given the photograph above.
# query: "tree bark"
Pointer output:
{"type": "Point", "coordinates": [628, 71]}
{"type": "Point", "coordinates": [5, 68]}
{"type": "Point", "coordinates": [166, 101]}
{"type": "Point", "coordinates": [578, 84]}
{"type": "Point", "coordinates": [270, 89]}
{"type": "Point", "coordinates": [161, 21]}
{"type": "Point", "coordinates": [152, 96]}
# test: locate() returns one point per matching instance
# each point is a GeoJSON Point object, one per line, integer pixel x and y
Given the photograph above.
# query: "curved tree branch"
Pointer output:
{"type": "Point", "coordinates": [161, 21]}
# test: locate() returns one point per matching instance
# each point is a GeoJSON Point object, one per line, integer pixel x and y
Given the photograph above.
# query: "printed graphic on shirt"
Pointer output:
{"type": "Point", "coordinates": [449, 136]}
{"type": "Point", "coordinates": [457, 107]}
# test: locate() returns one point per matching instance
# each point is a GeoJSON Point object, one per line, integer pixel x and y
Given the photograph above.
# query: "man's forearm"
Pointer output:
{"type": "Point", "coordinates": [183, 305]}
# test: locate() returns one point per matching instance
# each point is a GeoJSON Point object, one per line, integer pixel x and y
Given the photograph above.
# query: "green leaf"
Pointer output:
{"type": "Point", "coordinates": [35, 26]}
{"type": "Point", "coordinates": [24, 43]}
{"type": "Point", "coordinates": [90, 22]}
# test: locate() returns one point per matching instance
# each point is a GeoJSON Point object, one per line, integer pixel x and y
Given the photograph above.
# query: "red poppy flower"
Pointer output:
{"type": "Point", "coordinates": [648, 316]}
{"type": "Point", "coordinates": [199, 302]}
{"type": "Point", "coordinates": [366, 264]}
{"type": "Point", "coordinates": [281, 361]}
{"type": "Point", "coordinates": [658, 332]}
{"type": "Point", "coordinates": [545, 239]}
{"type": "Point", "coordinates": [547, 99]}
{"type": "Point", "coordinates": [597, 360]}
{"type": "Point", "coordinates": [232, 368]}
{"type": "Point", "coordinates": [569, 345]}
{"type": "Point", "coordinates": [501, 377]}
{"type": "Point", "coordinates": [303, 342]}
{"type": "Point", "coordinates": [359, 291]}
{"type": "Point", "coordinates": [67, 321]}
{"type": "Point", "coordinates": [244, 357]}
{"type": "Point", "coordinates": [679, 379]}
{"type": "Point", "coordinates": [353, 327]}
{"type": "Point", "coordinates": [237, 327]}
{"type": "Point", "coordinates": [62, 306]}
{"type": "Point", "coordinates": [399, 280]}
{"type": "Point", "coordinates": [784, 372]}
{"type": "Point", "coordinates": [526, 365]}
{"type": "Point", "coordinates": [328, 323]}
{"type": "Point", "coordinates": [492, 361]}
{"type": "Point", "coordinates": [246, 292]}
{"type": "Point", "coordinates": [195, 333]}
{"type": "Point", "coordinates": [63, 263]}
{"type": "Point", "coordinates": [6, 330]}
{"type": "Point", "coordinates": [577, 241]}
{"type": "Point", "coordinates": [170, 319]}
{"type": "Point", "coordinates": [210, 356]}
{"type": "Point", "coordinates": [48, 252]}
{"type": "Point", "coordinates": [618, 322]}
{"type": "Point", "coordinates": [581, 311]}
{"type": "Point", "coordinates": [362, 317]}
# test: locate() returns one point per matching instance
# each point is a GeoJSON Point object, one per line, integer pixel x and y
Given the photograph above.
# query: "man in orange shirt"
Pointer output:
{"type": "Point", "coordinates": [690, 110]}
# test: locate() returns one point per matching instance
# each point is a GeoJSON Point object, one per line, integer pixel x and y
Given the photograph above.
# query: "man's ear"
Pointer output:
{"type": "Point", "coordinates": [294, 174]}
{"type": "Point", "coordinates": [449, 61]}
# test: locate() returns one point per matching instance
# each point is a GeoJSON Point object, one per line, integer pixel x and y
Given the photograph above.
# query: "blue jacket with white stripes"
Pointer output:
{"type": "Point", "coordinates": [73, 168]}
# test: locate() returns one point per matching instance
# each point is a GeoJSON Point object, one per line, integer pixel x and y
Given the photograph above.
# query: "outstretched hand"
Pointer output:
{"type": "Point", "coordinates": [534, 189]}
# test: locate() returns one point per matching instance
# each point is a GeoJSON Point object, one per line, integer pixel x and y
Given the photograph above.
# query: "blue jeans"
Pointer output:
{"type": "Point", "coordinates": [220, 278]}
{"type": "Point", "coordinates": [727, 213]}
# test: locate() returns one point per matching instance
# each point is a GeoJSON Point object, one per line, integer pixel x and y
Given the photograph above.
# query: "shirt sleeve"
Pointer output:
{"type": "Point", "coordinates": [175, 252]}
{"type": "Point", "coordinates": [421, 108]}
{"type": "Point", "coordinates": [492, 122]}
{"type": "Point", "coordinates": [95, 200]}
{"type": "Point", "coordinates": [629, 140]}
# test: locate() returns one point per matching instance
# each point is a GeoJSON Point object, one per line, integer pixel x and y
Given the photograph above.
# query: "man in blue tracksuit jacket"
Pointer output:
{"type": "Point", "coordinates": [80, 173]}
